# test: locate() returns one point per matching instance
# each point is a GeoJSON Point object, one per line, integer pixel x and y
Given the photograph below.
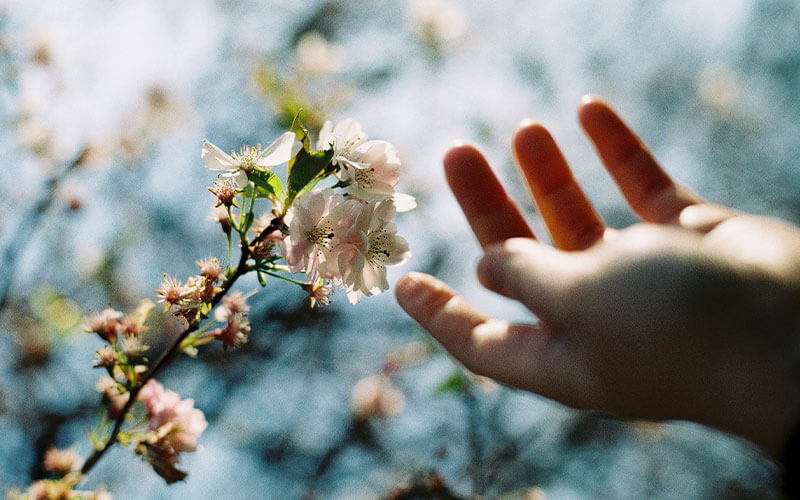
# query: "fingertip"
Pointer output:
{"type": "Point", "coordinates": [591, 99]}
{"type": "Point", "coordinates": [529, 130]}
{"type": "Point", "coordinates": [593, 112]}
{"type": "Point", "coordinates": [460, 156]}
{"type": "Point", "coordinates": [409, 287]}
{"type": "Point", "coordinates": [532, 144]}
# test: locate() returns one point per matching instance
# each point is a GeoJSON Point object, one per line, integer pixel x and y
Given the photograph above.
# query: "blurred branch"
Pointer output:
{"type": "Point", "coordinates": [22, 235]}
{"type": "Point", "coordinates": [475, 444]}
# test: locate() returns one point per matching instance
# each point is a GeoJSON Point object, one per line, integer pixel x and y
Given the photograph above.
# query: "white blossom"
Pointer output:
{"type": "Point", "coordinates": [345, 138]}
{"type": "Point", "coordinates": [239, 165]}
{"type": "Point", "coordinates": [379, 175]}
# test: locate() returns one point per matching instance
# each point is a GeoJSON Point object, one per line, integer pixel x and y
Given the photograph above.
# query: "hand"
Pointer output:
{"type": "Point", "coordinates": [693, 314]}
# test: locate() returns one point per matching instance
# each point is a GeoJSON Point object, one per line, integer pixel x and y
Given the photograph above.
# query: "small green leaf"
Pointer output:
{"type": "Point", "coordinates": [300, 131]}
{"type": "Point", "coordinates": [267, 184]}
{"type": "Point", "coordinates": [457, 383]}
{"type": "Point", "coordinates": [307, 166]}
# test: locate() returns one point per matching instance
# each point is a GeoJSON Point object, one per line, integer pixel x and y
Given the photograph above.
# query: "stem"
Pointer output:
{"type": "Point", "coordinates": [240, 270]}
{"type": "Point", "coordinates": [230, 246]}
{"type": "Point", "coordinates": [284, 278]}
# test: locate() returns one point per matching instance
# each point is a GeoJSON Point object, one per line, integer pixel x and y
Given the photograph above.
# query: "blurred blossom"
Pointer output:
{"type": "Point", "coordinates": [114, 395]}
{"type": "Point", "coordinates": [719, 88]}
{"type": "Point", "coordinates": [376, 396]}
{"type": "Point", "coordinates": [158, 113]}
{"type": "Point", "coordinates": [61, 461]}
{"type": "Point", "coordinates": [234, 333]}
{"type": "Point", "coordinates": [410, 354]}
{"type": "Point", "coordinates": [318, 56]}
{"type": "Point", "coordinates": [437, 21]}
{"type": "Point", "coordinates": [35, 136]}
{"type": "Point", "coordinates": [41, 51]}
{"type": "Point", "coordinates": [233, 303]}
{"type": "Point", "coordinates": [219, 214]}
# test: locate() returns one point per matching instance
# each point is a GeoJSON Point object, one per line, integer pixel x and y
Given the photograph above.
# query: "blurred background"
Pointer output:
{"type": "Point", "coordinates": [104, 105]}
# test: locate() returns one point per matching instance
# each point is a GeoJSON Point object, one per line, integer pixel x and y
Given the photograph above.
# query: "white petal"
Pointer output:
{"type": "Point", "coordinates": [325, 136]}
{"type": "Point", "coordinates": [282, 150]}
{"type": "Point", "coordinates": [404, 202]}
{"type": "Point", "coordinates": [349, 130]}
{"type": "Point", "coordinates": [216, 159]}
{"type": "Point", "coordinates": [350, 163]}
{"type": "Point", "coordinates": [239, 178]}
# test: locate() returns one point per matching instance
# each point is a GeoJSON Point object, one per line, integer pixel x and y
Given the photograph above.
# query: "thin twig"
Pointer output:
{"type": "Point", "coordinates": [27, 225]}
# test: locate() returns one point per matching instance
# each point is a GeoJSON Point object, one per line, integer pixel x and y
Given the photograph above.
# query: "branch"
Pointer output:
{"type": "Point", "coordinates": [166, 356]}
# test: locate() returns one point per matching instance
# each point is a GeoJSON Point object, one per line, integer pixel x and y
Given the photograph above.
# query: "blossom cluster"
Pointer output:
{"type": "Point", "coordinates": [122, 356]}
{"type": "Point", "coordinates": [173, 427]}
{"type": "Point", "coordinates": [189, 298]}
{"type": "Point", "coordinates": [349, 239]}
{"type": "Point", "coordinates": [342, 235]}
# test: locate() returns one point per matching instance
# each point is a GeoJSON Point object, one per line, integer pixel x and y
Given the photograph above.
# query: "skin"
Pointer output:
{"type": "Point", "coordinates": [692, 314]}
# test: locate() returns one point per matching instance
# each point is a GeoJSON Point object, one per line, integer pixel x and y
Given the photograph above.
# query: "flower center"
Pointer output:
{"type": "Point", "coordinates": [378, 252]}
{"type": "Point", "coordinates": [348, 145]}
{"type": "Point", "coordinates": [365, 178]}
{"type": "Point", "coordinates": [247, 158]}
{"type": "Point", "coordinates": [320, 236]}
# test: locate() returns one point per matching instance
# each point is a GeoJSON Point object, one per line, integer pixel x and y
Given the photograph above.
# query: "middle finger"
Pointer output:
{"type": "Point", "coordinates": [572, 222]}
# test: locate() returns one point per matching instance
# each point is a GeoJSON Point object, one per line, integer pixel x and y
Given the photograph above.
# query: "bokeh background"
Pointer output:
{"type": "Point", "coordinates": [713, 88]}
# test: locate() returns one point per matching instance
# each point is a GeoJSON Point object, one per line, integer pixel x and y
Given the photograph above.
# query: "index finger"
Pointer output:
{"type": "Point", "coordinates": [493, 216]}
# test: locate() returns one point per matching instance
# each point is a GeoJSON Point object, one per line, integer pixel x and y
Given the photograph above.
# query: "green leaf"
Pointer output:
{"type": "Point", "coordinates": [267, 184]}
{"type": "Point", "coordinates": [457, 383]}
{"type": "Point", "coordinates": [307, 166]}
{"type": "Point", "coordinates": [300, 131]}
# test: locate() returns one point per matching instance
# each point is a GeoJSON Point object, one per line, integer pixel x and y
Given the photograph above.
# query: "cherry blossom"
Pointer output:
{"type": "Point", "coordinates": [240, 165]}
{"type": "Point", "coordinates": [346, 138]}
{"type": "Point", "coordinates": [174, 426]}
{"type": "Point", "coordinates": [314, 222]}
{"type": "Point", "coordinates": [363, 267]}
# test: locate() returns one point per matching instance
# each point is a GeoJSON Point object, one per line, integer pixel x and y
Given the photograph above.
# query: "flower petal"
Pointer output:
{"type": "Point", "coordinates": [216, 159]}
{"type": "Point", "coordinates": [404, 202]}
{"type": "Point", "coordinates": [282, 150]}
{"type": "Point", "coordinates": [239, 178]}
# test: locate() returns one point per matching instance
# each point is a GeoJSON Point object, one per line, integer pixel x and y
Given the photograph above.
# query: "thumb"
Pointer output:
{"type": "Point", "coordinates": [537, 275]}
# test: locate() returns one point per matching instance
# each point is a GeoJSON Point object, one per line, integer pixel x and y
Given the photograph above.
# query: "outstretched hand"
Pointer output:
{"type": "Point", "coordinates": [693, 314]}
